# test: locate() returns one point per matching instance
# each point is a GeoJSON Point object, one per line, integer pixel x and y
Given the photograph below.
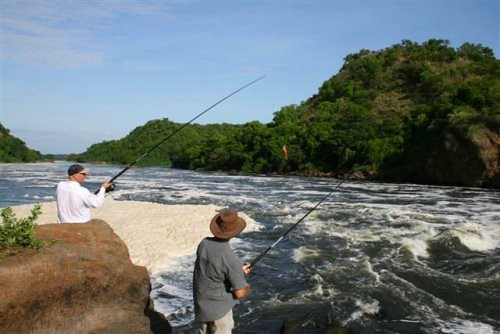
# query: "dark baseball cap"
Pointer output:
{"type": "Point", "coordinates": [76, 168]}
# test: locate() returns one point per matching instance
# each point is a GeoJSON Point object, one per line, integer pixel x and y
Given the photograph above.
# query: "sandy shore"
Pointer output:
{"type": "Point", "coordinates": [155, 234]}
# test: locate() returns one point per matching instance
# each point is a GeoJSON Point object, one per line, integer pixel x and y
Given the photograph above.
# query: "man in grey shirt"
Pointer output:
{"type": "Point", "coordinates": [219, 276]}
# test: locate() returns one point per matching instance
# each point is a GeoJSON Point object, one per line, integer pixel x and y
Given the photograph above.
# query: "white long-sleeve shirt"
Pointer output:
{"type": "Point", "coordinates": [74, 202]}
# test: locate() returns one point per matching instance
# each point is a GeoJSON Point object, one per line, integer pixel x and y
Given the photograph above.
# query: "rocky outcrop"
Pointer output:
{"type": "Point", "coordinates": [466, 156]}
{"type": "Point", "coordinates": [84, 282]}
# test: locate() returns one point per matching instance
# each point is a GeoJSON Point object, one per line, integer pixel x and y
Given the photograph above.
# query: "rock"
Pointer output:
{"type": "Point", "coordinates": [82, 283]}
{"type": "Point", "coordinates": [291, 325]}
{"type": "Point", "coordinates": [466, 157]}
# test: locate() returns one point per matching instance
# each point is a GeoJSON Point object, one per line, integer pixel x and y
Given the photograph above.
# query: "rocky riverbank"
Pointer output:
{"type": "Point", "coordinates": [84, 282]}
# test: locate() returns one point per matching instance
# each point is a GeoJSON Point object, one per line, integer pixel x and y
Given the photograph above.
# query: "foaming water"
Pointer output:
{"type": "Point", "coordinates": [480, 240]}
{"type": "Point", "coordinates": [374, 257]}
{"type": "Point", "coordinates": [172, 291]}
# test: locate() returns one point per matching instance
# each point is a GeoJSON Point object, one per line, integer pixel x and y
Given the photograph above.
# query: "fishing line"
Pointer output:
{"type": "Point", "coordinates": [179, 129]}
{"type": "Point", "coordinates": [261, 255]}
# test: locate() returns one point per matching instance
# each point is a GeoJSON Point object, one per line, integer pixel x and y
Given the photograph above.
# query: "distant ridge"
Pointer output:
{"type": "Point", "coordinates": [13, 149]}
{"type": "Point", "coordinates": [423, 113]}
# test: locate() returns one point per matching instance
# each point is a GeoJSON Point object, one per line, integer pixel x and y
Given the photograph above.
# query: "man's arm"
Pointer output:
{"type": "Point", "coordinates": [240, 293]}
{"type": "Point", "coordinates": [236, 274]}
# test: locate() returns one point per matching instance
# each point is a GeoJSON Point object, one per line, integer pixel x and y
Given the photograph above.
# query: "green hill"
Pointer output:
{"type": "Point", "coordinates": [13, 149]}
{"type": "Point", "coordinates": [425, 113]}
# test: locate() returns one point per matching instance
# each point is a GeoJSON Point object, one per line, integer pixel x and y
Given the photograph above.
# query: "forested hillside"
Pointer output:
{"type": "Point", "coordinates": [13, 149]}
{"type": "Point", "coordinates": [413, 112]}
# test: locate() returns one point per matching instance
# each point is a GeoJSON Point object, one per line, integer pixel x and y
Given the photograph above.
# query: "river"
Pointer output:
{"type": "Point", "coordinates": [373, 257]}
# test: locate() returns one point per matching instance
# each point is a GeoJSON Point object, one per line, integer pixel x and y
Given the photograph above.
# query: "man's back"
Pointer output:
{"type": "Point", "coordinates": [74, 202]}
{"type": "Point", "coordinates": [218, 272]}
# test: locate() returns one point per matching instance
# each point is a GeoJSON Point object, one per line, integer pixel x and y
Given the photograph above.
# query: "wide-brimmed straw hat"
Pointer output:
{"type": "Point", "coordinates": [227, 224]}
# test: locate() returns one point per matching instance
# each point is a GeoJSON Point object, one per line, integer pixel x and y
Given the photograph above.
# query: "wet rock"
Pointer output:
{"type": "Point", "coordinates": [291, 325]}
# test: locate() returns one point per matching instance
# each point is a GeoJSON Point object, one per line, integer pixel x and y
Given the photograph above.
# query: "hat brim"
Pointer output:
{"type": "Point", "coordinates": [216, 231]}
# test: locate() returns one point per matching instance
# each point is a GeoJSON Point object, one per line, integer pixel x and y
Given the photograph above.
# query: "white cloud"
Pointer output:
{"type": "Point", "coordinates": [62, 34]}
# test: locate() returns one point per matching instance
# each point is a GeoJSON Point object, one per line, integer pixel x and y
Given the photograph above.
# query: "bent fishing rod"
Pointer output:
{"type": "Point", "coordinates": [179, 129]}
{"type": "Point", "coordinates": [261, 255]}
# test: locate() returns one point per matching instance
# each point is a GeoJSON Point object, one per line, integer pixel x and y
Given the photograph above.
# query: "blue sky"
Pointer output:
{"type": "Point", "coordinates": [75, 73]}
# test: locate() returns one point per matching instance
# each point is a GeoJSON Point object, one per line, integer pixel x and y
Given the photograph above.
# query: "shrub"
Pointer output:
{"type": "Point", "coordinates": [19, 232]}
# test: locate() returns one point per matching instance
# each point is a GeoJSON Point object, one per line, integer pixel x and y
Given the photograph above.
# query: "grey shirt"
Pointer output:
{"type": "Point", "coordinates": [217, 272]}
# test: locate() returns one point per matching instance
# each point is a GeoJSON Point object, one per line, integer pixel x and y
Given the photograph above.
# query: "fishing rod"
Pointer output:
{"type": "Point", "coordinates": [179, 129]}
{"type": "Point", "coordinates": [261, 255]}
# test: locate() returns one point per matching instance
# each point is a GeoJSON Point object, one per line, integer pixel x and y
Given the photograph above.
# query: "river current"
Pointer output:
{"type": "Point", "coordinates": [372, 258]}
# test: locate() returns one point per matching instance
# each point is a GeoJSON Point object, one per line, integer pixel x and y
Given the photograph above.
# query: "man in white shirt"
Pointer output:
{"type": "Point", "coordinates": [74, 201]}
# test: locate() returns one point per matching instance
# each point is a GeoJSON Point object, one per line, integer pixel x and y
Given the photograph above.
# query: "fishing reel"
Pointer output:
{"type": "Point", "coordinates": [112, 188]}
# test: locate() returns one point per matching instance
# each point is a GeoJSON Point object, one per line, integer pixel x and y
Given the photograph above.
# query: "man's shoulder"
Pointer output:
{"type": "Point", "coordinates": [69, 184]}
{"type": "Point", "coordinates": [72, 186]}
{"type": "Point", "coordinates": [214, 243]}
{"type": "Point", "coordinates": [63, 184]}
{"type": "Point", "coordinates": [213, 247]}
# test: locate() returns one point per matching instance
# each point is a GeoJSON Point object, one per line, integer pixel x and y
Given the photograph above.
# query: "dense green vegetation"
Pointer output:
{"type": "Point", "coordinates": [384, 111]}
{"type": "Point", "coordinates": [18, 233]}
{"type": "Point", "coordinates": [13, 149]}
